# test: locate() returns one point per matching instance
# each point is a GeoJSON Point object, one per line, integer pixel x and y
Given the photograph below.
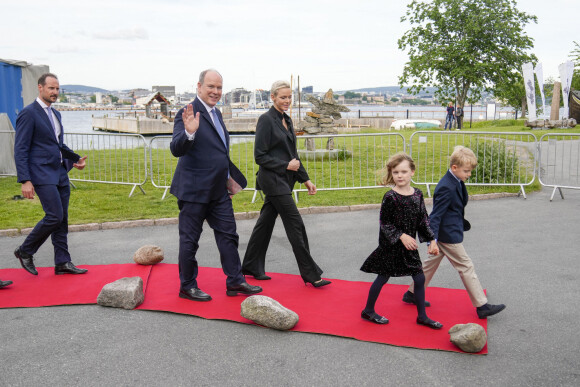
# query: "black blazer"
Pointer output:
{"type": "Point", "coordinates": [202, 170]}
{"type": "Point", "coordinates": [273, 149]}
{"type": "Point", "coordinates": [37, 152]}
{"type": "Point", "coordinates": [447, 218]}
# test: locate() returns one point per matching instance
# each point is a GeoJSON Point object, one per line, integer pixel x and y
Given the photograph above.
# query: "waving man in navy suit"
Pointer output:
{"type": "Point", "coordinates": [203, 181]}
{"type": "Point", "coordinates": [42, 163]}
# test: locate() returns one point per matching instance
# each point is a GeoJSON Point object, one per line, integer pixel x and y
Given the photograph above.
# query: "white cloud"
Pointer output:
{"type": "Point", "coordinates": [339, 44]}
{"type": "Point", "coordinates": [63, 49]}
{"type": "Point", "coordinates": [136, 33]}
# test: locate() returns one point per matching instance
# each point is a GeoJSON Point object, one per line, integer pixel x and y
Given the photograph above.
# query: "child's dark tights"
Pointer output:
{"type": "Point", "coordinates": [381, 280]}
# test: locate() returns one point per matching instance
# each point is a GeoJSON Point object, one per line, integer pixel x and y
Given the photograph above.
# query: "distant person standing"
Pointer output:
{"type": "Point", "coordinates": [450, 116]}
{"type": "Point", "coordinates": [459, 116]}
{"type": "Point", "coordinates": [42, 164]}
{"type": "Point", "coordinates": [204, 181]}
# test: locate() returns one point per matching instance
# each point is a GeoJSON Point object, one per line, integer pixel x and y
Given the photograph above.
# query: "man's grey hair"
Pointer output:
{"type": "Point", "coordinates": [277, 86]}
{"type": "Point", "coordinates": [204, 72]}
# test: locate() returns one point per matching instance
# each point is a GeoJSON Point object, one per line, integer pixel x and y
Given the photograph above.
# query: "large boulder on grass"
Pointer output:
{"type": "Point", "coordinates": [126, 293]}
{"type": "Point", "coordinates": [268, 312]}
{"type": "Point", "coordinates": [468, 337]}
{"type": "Point", "coordinates": [148, 255]}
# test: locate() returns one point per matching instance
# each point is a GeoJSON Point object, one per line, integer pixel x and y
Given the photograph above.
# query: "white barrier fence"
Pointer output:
{"type": "Point", "coordinates": [559, 161]}
{"type": "Point", "coordinates": [112, 158]}
{"type": "Point", "coordinates": [504, 159]}
{"type": "Point", "coordinates": [354, 161]}
{"type": "Point", "coordinates": [352, 164]}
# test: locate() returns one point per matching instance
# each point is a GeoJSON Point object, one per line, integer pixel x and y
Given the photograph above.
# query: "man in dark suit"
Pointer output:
{"type": "Point", "coordinates": [448, 224]}
{"type": "Point", "coordinates": [203, 181]}
{"type": "Point", "coordinates": [42, 163]}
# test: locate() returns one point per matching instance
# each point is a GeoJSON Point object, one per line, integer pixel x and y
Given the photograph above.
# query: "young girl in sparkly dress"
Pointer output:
{"type": "Point", "coordinates": [403, 215]}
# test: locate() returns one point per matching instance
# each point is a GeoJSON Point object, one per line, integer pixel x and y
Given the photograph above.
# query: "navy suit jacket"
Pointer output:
{"type": "Point", "coordinates": [447, 218]}
{"type": "Point", "coordinates": [201, 174]}
{"type": "Point", "coordinates": [36, 150]}
{"type": "Point", "coordinates": [274, 148]}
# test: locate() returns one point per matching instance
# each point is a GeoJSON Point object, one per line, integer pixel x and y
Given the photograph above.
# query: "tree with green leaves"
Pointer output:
{"type": "Point", "coordinates": [575, 55]}
{"type": "Point", "coordinates": [464, 47]}
{"type": "Point", "coordinates": [351, 94]}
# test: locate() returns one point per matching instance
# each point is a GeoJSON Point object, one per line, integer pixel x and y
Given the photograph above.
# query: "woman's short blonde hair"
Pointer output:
{"type": "Point", "coordinates": [463, 157]}
{"type": "Point", "coordinates": [277, 86]}
{"type": "Point", "coordinates": [396, 159]}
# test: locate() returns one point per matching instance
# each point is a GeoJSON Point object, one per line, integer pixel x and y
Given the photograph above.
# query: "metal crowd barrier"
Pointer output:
{"type": "Point", "coordinates": [352, 164]}
{"type": "Point", "coordinates": [559, 161]}
{"type": "Point", "coordinates": [504, 159]}
{"type": "Point", "coordinates": [354, 161]}
{"type": "Point", "coordinates": [163, 163]}
{"type": "Point", "coordinates": [112, 158]}
{"type": "Point", "coordinates": [7, 164]}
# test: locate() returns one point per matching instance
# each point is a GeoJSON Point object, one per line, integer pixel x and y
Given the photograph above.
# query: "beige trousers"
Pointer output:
{"type": "Point", "coordinates": [456, 254]}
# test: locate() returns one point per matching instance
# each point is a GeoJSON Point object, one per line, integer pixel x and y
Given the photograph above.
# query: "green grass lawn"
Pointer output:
{"type": "Point", "coordinates": [357, 164]}
{"type": "Point", "coordinates": [97, 203]}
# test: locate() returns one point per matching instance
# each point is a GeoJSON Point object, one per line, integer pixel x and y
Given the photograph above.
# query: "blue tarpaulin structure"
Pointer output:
{"type": "Point", "coordinates": [18, 86]}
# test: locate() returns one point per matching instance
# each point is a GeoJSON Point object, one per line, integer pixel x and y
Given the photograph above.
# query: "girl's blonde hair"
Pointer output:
{"type": "Point", "coordinates": [396, 159]}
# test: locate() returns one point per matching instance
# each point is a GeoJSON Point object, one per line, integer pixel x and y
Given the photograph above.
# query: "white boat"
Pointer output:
{"type": "Point", "coordinates": [415, 124]}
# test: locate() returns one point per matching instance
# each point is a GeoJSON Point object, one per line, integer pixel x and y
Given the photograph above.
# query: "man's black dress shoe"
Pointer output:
{"type": "Point", "coordinates": [489, 310]}
{"type": "Point", "coordinates": [68, 268]}
{"type": "Point", "coordinates": [5, 283]}
{"type": "Point", "coordinates": [26, 261]}
{"type": "Point", "coordinates": [409, 298]}
{"type": "Point", "coordinates": [243, 288]}
{"type": "Point", "coordinates": [376, 318]}
{"type": "Point", "coordinates": [430, 323]}
{"type": "Point", "coordinates": [194, 294]}
{"type": "Point", "coordinates": [260, 277]}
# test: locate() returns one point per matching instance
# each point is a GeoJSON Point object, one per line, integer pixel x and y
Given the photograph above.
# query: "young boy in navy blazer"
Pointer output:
{"type": "Point", "coordinates": [448, 224]}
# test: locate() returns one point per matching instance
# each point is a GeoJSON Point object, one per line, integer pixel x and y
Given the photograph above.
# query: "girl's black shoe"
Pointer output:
{"type": "Point", "coordinates": [376, 318]}
{"type": "Point", "coordinates": [430, 323]}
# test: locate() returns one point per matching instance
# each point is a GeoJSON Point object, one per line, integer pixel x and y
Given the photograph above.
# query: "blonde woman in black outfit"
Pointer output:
{"type": "Point", "coordinates": [280, 168]}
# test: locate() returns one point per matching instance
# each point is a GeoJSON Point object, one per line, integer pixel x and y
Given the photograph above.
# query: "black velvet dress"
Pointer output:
{"type": "Point", "coordinates": [399, 214]}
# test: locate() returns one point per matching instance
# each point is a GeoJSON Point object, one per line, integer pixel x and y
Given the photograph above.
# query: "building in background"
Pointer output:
{"type": "Point", "coordinates": [167, 91]}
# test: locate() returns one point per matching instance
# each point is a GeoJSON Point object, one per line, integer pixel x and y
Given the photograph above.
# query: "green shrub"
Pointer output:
{"type": "Point", "coordinates": [495, 164]}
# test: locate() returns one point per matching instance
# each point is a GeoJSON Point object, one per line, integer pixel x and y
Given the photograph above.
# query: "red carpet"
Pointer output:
{"type": "Point", "coordinates": [47, 289]}
{"type": "Point", "coordinates": [333, 310]}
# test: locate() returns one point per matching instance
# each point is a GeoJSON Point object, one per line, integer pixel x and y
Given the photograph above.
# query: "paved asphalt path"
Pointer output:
{"type": "Point", "coordinates": [525, 253]}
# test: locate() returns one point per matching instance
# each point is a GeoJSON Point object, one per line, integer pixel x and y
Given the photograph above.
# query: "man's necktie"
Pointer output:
{"type": "Point", "coordinates": [49, 110]}
{"type": "Point", "coordinates": [52, 121]}
{"type": "Point", "coordinates": [218, 125]}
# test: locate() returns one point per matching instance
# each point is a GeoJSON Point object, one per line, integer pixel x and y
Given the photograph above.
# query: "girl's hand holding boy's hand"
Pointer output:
{"type": "Point", "coordinates": [409, 242]}
{"type": "Point", "coordinates": [433, 249]}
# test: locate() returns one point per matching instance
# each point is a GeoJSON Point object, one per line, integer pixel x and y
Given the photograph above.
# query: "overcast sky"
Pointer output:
{"type": "Point", "coordinates": [125, 44]}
